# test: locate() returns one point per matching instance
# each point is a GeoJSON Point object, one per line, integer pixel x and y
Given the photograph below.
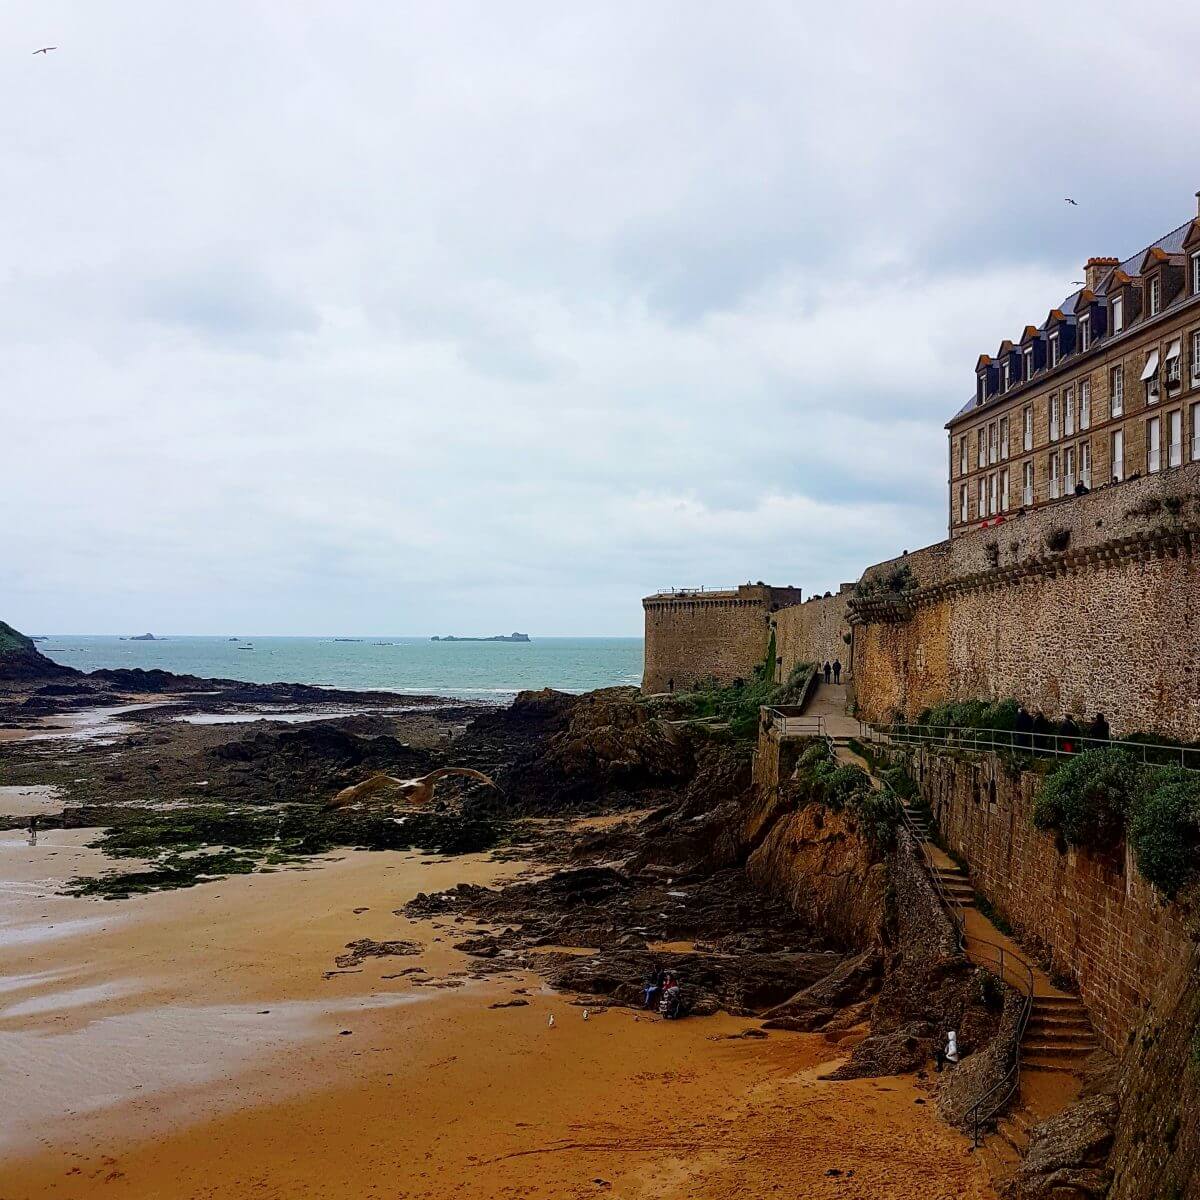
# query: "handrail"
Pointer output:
{"type": "Point", "coordinates": [1024, 742]}
{"type": "Point", "coordinates": [985, 1107]}
{"type": "Point", "coordinates": [797, 726]}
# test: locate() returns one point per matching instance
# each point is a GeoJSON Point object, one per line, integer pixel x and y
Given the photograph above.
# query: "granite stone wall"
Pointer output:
{"type": "Point", "coordinates": [721, 635]}
{"type": "Point", "coordinates": [815, 631]}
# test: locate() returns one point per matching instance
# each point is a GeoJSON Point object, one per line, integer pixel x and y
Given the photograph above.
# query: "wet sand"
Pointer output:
{"type": "Point", "coordinates": [189, 1043]}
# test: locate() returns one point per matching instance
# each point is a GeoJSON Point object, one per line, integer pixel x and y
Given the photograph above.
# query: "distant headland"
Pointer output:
{"type": "Point", "coordinates": [500, 637]}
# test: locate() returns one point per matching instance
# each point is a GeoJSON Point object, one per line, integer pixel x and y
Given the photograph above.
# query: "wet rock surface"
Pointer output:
{"type": "Point", "coordinates": [732, 947]}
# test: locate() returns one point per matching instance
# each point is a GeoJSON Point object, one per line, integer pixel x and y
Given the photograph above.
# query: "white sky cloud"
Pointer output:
{"type": "Point", "coordinates": [341, 318]}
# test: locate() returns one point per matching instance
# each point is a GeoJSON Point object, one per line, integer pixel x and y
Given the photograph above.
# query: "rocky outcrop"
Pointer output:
{"type": "Point", "coordinates": [22, 662]}
{"type": "Point", "coordinates": [1067, 1153]}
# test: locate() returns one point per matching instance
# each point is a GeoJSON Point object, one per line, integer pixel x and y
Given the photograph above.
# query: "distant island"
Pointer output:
{"type": "Point", "coordinates": [144, 637]}
{"type": "Point", "coordinates": [500, 637]}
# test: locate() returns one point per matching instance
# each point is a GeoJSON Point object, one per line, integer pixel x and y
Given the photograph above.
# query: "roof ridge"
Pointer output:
{"type": "Point", "coordinates": [1140, 254]}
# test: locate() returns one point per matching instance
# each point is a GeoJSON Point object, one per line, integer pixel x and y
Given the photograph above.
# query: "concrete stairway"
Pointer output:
{"type": "Point", "coordinates": [1058, 1037]}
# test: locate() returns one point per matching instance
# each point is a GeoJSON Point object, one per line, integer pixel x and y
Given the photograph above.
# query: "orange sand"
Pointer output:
{"type": "Point", "coordinates": [140, 1060]}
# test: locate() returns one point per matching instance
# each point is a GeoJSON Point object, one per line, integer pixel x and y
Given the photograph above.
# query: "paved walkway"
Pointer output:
{"type": "Point", "coordinates": [829, 701]}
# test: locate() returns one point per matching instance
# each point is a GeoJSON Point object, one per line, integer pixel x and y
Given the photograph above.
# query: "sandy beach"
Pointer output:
{"type": "Point", "coordinates": [190, 1043]}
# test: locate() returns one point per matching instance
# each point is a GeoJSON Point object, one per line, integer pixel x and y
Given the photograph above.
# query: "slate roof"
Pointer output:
{"type": "Point", "coordinates": [1170, 243]}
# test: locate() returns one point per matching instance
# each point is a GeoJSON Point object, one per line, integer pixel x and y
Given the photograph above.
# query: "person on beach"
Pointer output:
{"type": "Point", "coordinates": [946, 1051]}
{"type": "Point", "coordinates": [651, 988]}
{"type": "Point", "coordinates": [828, 671]}
{"type": "Point", "coordinates": [837, 670]}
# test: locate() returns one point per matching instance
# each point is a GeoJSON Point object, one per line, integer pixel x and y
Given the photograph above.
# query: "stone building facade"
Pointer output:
{"type": "Point", "coordinates": [1105, 389]}
{"type": "Point", "coordinates": [693, 634]}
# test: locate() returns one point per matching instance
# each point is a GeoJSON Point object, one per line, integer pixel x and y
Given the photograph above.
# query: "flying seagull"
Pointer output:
{"type": "Point", "coordinates": [1070, 201]}
{"type": "Point", "coordinates": [45, 50]}
{"type": "Point", "coordinates": [415, 791]}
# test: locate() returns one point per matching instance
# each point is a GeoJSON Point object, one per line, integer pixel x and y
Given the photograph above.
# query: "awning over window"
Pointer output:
{"type": "Point", "coordinates": [1173, 350]}
{"type": "Point", "coordinates": [1151, 368]}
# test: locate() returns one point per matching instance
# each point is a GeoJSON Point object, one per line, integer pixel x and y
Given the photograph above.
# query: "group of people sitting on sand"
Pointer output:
{"type": "Point", "coordinates": [662, 991]}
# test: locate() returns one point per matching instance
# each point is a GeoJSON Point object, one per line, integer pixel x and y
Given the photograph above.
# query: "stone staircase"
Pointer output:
{"type": "Point", "coordinates": [1058, 1037]}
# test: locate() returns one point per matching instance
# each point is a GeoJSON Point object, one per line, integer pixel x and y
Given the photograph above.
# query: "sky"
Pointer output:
{"type": "Point", "coordinates": [342, 318]}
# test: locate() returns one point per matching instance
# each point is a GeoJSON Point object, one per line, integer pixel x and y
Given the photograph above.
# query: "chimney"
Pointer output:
{"type": "Point", "coordinates": [1095, 269]}
{"type": "Point", "coordinates": [1198, 204]}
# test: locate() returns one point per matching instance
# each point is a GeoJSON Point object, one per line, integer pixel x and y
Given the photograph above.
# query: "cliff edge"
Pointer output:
{"type": "Point", "coordinates": [21, 660]}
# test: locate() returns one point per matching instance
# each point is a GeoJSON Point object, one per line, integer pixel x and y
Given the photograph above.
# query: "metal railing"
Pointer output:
{"type": "Point", "coordinates": [1010, 968]}
{"type": "Point", "coordinates": [789, 721]}
{"type": "Point", "coordinates": [695, 591]}
{"type": "Point", "coordinates": [1027, 742]}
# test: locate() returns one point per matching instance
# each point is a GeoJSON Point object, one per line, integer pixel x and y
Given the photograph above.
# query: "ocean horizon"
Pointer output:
{"type": "Point", "coordinates": [483, 670]}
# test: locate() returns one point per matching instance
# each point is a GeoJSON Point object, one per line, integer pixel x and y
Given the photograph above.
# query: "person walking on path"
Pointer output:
{"type": "Point", "coordinates": [837, 670]}
{"type": "Point", "coordinates": [1098, 730]}
{"type": "Point", "coordinates": [828, 670]}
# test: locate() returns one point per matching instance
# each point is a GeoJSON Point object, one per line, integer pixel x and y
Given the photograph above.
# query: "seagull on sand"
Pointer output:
{"type": "Point", "coordinates": [45, 50]}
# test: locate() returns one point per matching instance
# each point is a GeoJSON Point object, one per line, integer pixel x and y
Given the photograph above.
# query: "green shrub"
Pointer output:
{"type": "Point", "coordinates": [1164, 827]}
{"type": "Point", "coordinates": [842, 784]}
{"type": "Point", "coordinates": [878, 815]}
{"type": "Point", "coordinates": [1087, 798]}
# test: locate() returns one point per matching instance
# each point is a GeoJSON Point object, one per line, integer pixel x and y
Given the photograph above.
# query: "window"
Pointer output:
{"type": "Point", "coordinates": [982, 497]}
{"type": "Point", "coordinates": [1085, 334]}
{"type": "Point", "coordinates": [1116, 391]}
{"type": "Point", "coordinates": [1006, 373]}
{"type": "Point", "coordinates": [993, 443]}
{"type": "Point", "coordinates": [1196, 433]}
{"type": "Point", "coordinates": [1085, 404]}
{"type": "Point", "coordinates": [1054, 354]}
{"type": "Point", "coordinates": [1003, 438]}
{"type": "Point", "coordinates": [1027, 482]}
{"type": "Point", "coordinates": [993, 494]}
{"type": "Point", "coordinates": [1196, 358]}
{"type": "Point", "coordinates": [1196, 272]}
{"type": "Point", "coordinates": [1173, 361]}
{"type": "Point", "coordinates": [962, 455]}
{"type": "Point", "coordinates": [1174, 438]}
{"type": "Point", "coordinates": [1117, 455]}
{"type": "Point", "coordinates": [1054, 481]}
{"type": "Point", "coordinates": [1155, 294]}
{"type": "Point", "coordinates": [1069, 411]}
{"type": "Point", "coordinates": [1027, 422]}
{"type": "Point", "coordinates": [1150, 377]}
{"type": "Point", "coordinates": [1085, 464]}
{"type": "Point", "coordinates": [981, 451]}
{"type": "Point", "coordinates": [1029, 363]}
{"type": "Point", "coordinates": [982, 386]}
{"type": "Point", "coordinates": [963, 515]}
{"type": "Point", "coordinates": [1054, 418]}
{"type": "Point", "coordinates": [1118, 314]}
{"type": "Point", "coordinates": [1153, 444]}
{"type": "Point", "coordinates": [1004, 490]}
{"type": "Point", "coordinates": [1068, 470]}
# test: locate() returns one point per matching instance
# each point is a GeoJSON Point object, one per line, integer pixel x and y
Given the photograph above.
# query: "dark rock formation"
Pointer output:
{"type": "Point", "coordinates": [21, 660]}
{"type": "Point", "coordinates": [1067, 1153]}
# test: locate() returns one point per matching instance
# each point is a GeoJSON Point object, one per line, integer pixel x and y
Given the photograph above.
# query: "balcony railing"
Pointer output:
{"type": "Point", "coordinates": [1068, 483]}
{"type": "Point", "coordinates": [1153, 461]}
{"type": "Point", "coordinates": [1175, 454]}
{"type": "Point", "coordinates": [1027, 496]}
{"type": "Point", "coordinates": [1055, 490]}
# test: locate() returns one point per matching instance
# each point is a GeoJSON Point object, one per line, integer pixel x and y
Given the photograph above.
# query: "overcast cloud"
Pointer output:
{"type": "Point", "coordinates": [363, 318]}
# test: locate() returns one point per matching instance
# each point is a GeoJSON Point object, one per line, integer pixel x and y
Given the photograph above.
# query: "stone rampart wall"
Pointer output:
{"type": "Point", "coordinates": [1094, 918]}
{"type": "Point", "coordinates": [1107, 629]}
{"type": "Point", "coordinates": [695, 636]}
{"type": "Point", "coordinates": [813, 632]}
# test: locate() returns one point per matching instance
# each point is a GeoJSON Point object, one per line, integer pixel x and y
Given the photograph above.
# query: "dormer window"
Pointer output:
{"type": "Point", "coordinates": [1118, 313]}
{"type": "Point", "coordinates": [1085, 334]}
{"type": "Point", "coordinates": [1028, 355]}
{"type": "Point", "coordinates": [1054, 350]}
{"type": "Point", "coordinates": [1155, 293]}
{"type": "Point", "coordinates": [982, 394]}
{"type": "Point", "coordinates": [1006, 375]}
{"type": "Point", "coordinates": [1196, 272]}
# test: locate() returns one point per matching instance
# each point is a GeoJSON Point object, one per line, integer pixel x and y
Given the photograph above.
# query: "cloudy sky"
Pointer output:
{"type": "Point", "coordinates": [402, 318]}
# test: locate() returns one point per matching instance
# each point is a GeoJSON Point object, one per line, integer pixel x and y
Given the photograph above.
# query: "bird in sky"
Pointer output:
{"type": "Point", "coordinates": [45, 50]}
{"type": "Point", "coordinates": [1070, 201]}
{"type": "Point", "coordinates": [414, 791]}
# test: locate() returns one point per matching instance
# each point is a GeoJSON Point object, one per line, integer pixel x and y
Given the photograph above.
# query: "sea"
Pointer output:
{"type": "Point", "coordinates": [488, 671]}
